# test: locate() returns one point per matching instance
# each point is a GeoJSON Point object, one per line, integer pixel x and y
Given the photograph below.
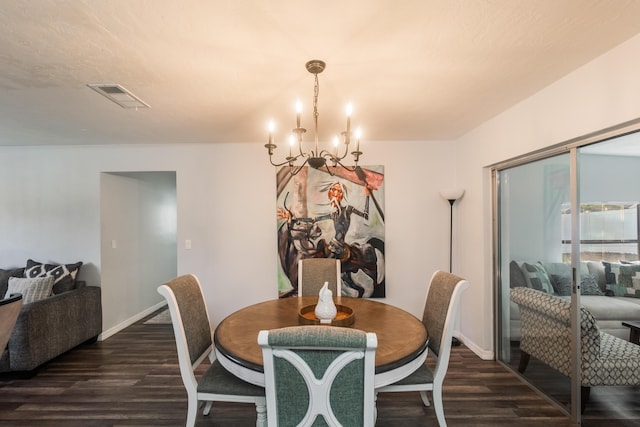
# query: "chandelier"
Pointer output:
{"type": "Point", "coordinates": [329, 160]}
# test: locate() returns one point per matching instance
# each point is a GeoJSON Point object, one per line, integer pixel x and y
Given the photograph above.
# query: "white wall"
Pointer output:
{"type": "Point", "coordinates": [226, 207]}
{"type": "Point", "coordinates": [599, 95]}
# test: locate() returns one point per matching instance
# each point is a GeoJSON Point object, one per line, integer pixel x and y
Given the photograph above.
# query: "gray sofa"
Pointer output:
{"type": "Point", "coordinates": [607, 291]}
{"type": "Point", "coordinates": [48, 327]}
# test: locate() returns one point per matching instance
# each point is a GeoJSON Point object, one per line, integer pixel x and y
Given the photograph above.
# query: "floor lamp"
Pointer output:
{"type": "Point", "coordinates": [451, 194]}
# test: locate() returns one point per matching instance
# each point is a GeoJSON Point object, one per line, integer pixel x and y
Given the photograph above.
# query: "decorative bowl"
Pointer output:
{"type": "Point", "coordinates": [344, 316]}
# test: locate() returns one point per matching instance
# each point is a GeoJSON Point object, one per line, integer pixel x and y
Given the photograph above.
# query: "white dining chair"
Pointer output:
{"type": "Point", "coordinates": [192, 330]}
{"type": "Point", "coordinates": [319, 375]}
{"type": "Point", "coordinates": [440, 310]}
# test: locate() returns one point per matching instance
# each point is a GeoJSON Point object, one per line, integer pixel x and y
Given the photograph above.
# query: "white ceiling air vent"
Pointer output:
{"type": "Point", "coordinates": [119, 95]}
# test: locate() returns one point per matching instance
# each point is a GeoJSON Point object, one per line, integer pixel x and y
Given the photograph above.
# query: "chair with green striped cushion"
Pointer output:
{"type": "Point", "coordinates": [319, 376]}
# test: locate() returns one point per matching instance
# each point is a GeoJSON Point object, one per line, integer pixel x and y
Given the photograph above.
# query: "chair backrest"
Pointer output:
{"type": "Point", "coordinates": [191, 326]}
{"type": "Point", "coordinates": [440, 312]}
{"type": "Point", "coordinates": [313, 272]}
{"type": "Point", "coordinates": [315, 372]}
{"type": "Point", "coordinates": [9, 311]}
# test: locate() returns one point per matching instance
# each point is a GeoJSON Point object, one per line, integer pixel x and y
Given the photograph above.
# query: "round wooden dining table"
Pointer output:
{"type": "Point", "coordinates": [402, 338]}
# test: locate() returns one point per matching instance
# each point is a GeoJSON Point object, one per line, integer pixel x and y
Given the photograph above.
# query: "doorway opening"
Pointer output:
{"type": "Point", "coordinates": [138, 243]}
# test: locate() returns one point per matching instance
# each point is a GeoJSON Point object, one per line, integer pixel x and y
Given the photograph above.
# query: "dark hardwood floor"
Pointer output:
{"type": "Point", "coordinates": [132, 379]}
{"type": "Point", "coordinates": [607, 405]}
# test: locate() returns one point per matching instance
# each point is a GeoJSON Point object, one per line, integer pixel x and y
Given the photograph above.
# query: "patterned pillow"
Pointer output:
{"type": "Point", "coordinates": [536, 277]}
{"type": "Point", "coordinates": [4, 278]}
{"type": "Point", "coordinates": [617, 290]}
{"type": "Point", "coordinates": [31, 289]}
{"type": "Point", "coordinates": [626, 274]}
{"type": "Point", "coordinates": [611, 272]}
{"type": "Point", "coordinates": [64, 274]}
{"type": "Point", "coordinates": [561, 284]}
{"type": "Point", "coordinates": [589, 285]}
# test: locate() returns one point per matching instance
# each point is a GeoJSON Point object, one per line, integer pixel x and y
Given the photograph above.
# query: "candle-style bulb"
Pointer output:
{"type": "Point", "coordinates": [292, 141]}
{"type": "Point", "coordinates": [358, 136]}
{"type": "Point", "coordinates": [298, 111]}
{"type": "Point", "coordinates": [271, 126]}
{"type": "Point", "coordinates": [349, 112]}
{"type": "Point", "coordinates": [335, 146]}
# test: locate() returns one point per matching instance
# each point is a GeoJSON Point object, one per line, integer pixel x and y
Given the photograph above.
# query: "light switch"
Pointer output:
{"type": "Point", "coordinates": [187, 244]}
{"type": "Point", "coordinates": [114, 244]}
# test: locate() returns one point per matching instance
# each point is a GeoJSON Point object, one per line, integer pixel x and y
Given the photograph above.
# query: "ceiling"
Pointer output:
{"type": "Point", "coordinates": [217, 71]}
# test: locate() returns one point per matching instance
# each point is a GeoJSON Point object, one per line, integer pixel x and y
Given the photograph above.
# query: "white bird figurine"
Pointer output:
{"type": "Point", "coordinates": [326, 310]}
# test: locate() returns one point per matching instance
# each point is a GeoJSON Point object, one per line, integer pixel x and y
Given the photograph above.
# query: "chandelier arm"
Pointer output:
{"type": "Point", "coordinates": [336, 159]}
{"type": "Point", "coordinates": [349, 168]}
{"type": "Point", "coordinates": [289, 160]}
{"type": "Point", "coordinates": [326, 167]}
{"type": "Point", "coordinates": [346, 151]}
{"type": "Point", "coordinates": [293, 170]}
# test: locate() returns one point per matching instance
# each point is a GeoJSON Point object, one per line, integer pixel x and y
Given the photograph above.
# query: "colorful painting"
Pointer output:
{"type": "Point", "coordinates": [332, 216]}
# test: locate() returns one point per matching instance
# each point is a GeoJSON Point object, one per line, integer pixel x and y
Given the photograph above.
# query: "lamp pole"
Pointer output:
{"type": "Point", "coordinates": [451, 202]}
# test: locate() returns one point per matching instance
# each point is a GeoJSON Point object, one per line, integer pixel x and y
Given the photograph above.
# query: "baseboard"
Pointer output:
{"type": "Point", "coordinates": [130, 321]}
{"type": "Point", "coordinates": [480, 352]}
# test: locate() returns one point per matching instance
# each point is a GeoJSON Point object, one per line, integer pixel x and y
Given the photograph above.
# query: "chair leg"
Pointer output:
{"type": "Point", "coordinates": [207, 407]}
{"type": "Point", "coordinates": [585, 391]}
{"type": "Point", "coordinates": [261, 412]}
{"type": "Point", "coordinates": [375, 407]}
{"type": "Point", "coordinates": [425, 398]}
{"type": "Point", "coordinates": [192, 411]}
{"type": "Point", "coordinates": [437, 405]}
{"type": "Point", "coordinates": [524, 361]}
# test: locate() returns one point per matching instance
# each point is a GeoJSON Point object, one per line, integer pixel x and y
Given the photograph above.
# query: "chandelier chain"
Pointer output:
{"type": "Point", "coordinates": [316, 93]}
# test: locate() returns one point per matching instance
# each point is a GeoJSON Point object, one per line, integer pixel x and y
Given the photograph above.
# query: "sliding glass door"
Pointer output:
{"type": "Point", "coordinates": [531, 200]}
{"type": "Point", "coordinates": [567, 235]}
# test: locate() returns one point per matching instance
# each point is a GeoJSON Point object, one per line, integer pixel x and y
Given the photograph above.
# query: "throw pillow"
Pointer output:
{"type": "Point", "coordinates": [597, 269]}
{"type": "Point", "coordinates": [589, 286]}
{"type": "Point", "coordinates": [516, 278]}
{"type": "Point", "coordinates": [4, 278]}
{"type": "Point", "coordinates": [626, 274]}
{"type": "Point", "coordinates": [611, 272]}
{"type": "Point", "coordinates": [561, 284]}
{"type": "Point", "coordinates": [64, 274]}
{"type": "Point", "coordinates": [31, 289]}
{"type": "Point", "coordinates": [618, 290]}
{"type": "Point", "coordinates": [537, 277]}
